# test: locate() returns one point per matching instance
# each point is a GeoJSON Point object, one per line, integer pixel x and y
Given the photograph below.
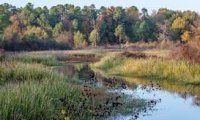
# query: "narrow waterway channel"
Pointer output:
{"type": "Point", "coordinates": [168, 101]}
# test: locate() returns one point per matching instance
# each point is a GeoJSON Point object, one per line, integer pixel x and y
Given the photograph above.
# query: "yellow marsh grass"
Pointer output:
{"type": "Point", "coordinates": [151, 68]}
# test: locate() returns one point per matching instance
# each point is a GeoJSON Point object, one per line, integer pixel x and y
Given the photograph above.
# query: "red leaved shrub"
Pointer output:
{"type": "Point", "coordinates": [189, 51]}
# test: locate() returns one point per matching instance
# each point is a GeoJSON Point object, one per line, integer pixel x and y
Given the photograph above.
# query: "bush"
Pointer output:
{"type": "Point", "coordinates": [31, 45]}
{"type": "Point", "coordinates": [65, 38]}
{"type": "Point", "coordinates": [189, 51]}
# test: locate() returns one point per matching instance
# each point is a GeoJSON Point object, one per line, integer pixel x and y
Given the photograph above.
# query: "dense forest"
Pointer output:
{"type": "Point", "coordinates": [68, 26]}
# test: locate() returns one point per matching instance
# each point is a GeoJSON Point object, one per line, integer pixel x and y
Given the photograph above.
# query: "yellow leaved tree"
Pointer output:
{"type": "Point", "coordinates": [179, 23]}
{"type": "Point", "coordinates": [186, 36]}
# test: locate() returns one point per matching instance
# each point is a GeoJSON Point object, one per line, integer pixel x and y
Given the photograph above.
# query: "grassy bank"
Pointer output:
{"type": "Point", "coordinates": [33, 91]}
{"type": "Point", "coordinates": [151, 68]}
{"type": "Point", "coordinates": [20, 72]}
{"type": "Point", "coordinates": [53, 58]}
{"type": "Point", "coordinates": [45, 60]}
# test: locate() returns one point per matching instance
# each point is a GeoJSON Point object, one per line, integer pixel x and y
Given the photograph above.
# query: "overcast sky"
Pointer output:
{"type": "Point", "coordinates": [193, 5]}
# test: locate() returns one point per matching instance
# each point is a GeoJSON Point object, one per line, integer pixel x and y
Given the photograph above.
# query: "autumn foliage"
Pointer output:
{"type": "Point", "coordinates": [189, 51]}
{"type": "Point", "coordinates": [74, 27]}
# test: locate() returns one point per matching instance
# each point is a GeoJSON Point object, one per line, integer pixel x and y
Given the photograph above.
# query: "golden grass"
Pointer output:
{"type": "Point", "coordinates": [151, 68]}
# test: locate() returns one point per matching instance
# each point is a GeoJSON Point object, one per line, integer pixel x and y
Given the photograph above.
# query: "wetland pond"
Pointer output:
{"type": "Point", "coordinates": [166, 100]}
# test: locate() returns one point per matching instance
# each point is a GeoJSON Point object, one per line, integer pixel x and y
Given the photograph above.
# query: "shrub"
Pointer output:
{"type": "Point", "coordinates": [65, 38]}
{"type": "Point", "coordinates": [34, 44]}
{"type": "Point", "coordinates": [189, 51]}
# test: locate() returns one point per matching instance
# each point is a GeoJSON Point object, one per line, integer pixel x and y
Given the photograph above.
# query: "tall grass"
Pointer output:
{"type": "Point", "coordinates": [35, 92]}
{"type": "Point", "coordinates": [45, 60]}
{"type": "Point", "coordinates": [31, 101]}
{"type": "Point", "coordinates": [152, 68]}
{"type": "Point", "coordinates": [2, 56]}
{"type": "Point", "coordinates": [55, 59]}
{"type": "Point", "coordinates": [39, 96]}
{"type": "Point", "coordinates": [14, 71]}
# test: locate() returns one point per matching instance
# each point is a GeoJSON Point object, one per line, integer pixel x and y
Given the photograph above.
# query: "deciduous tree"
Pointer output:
{"type": "Point", "coordinates": [94, 37]}
{"type": "Point", "coordinates": [120, 33]}
{"type": "Point", "coordinates": [79, 40]}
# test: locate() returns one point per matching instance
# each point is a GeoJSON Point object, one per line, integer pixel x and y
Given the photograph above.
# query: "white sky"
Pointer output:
{"type": "Point", "coordinates": [193, 5]}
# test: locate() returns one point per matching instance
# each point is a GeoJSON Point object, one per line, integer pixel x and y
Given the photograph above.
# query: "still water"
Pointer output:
{"type": "Point", "coordinates": [171, 101]}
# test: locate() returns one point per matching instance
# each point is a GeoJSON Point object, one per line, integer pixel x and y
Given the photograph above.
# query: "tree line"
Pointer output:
{"type": "Point", "coordinates": [68, 26]}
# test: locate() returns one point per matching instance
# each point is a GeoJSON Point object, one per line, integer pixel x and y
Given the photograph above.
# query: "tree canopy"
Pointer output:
{"type": "Point", "coordinates": [106, 25]}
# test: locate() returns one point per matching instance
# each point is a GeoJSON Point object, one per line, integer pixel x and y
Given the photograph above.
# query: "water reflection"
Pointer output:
{"type": "Point", "coordinates": [166, 100]}
{"type": "Point", "coordinates": [88, 76]}
{"type": "Point", "coordinates": [183, 91]}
